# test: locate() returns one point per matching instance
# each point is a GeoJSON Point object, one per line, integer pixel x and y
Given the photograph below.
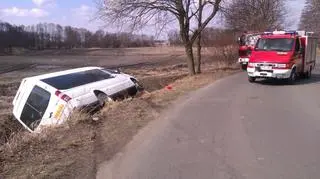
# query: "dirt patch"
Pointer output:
{"type": "Point", "coordinates": [8, 89]}
{"type": "Point", "coordinates": [155, 83]}
{"type": "Point", "coordinates": [17, 67]}
{"type": "Point", "coordinates": [118, 127]}
{"type": "Point", "coordinates": [8, 127]}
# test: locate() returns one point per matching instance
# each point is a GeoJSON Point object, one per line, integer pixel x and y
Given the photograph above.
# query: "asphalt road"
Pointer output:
{"type": "Point", "coordinates": [230, 130]}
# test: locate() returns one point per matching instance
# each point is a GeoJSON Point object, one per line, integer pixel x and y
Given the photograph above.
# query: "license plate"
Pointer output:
{"type": "Point", "coordinates": [58, 112]}
{"type": "Point", "coordinates": [266, 67]}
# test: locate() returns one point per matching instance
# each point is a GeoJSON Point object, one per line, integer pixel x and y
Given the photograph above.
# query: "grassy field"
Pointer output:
{"type": "Point", "coordinates": [76, 148]}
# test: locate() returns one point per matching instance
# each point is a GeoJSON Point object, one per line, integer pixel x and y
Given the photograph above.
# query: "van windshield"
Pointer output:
{"type": "Point", "coordinates": [76, 79]}
{"type": "Point", "coordinates": [35, 107]}
{"type": "Point", "coordinates": [277, 44]}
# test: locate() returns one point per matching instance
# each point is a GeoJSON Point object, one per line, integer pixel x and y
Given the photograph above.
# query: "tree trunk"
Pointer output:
{"type": "Point", "coordinates": [198, 57]}
{"type": "Point", "coordinates": [190, 59]}
{"type": "Point", "coordinates": [184, 35]}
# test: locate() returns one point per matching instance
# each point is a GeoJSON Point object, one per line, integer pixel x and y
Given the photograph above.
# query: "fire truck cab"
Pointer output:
{"type": "Point", "coordinates": [283, 55]}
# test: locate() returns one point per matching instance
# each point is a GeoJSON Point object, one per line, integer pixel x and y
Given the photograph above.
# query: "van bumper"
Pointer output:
{"type": "Point", "coordinates": [276, 73]}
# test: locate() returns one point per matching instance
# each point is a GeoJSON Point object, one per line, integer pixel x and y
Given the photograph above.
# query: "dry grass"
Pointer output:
{"type": "Point", "coordinates": [5, 101]}
{"type": "Point", "coordinates": [57, 153]}
{"type": "Point", "coordinates": [74, 149]}
{"type": "Point", "coordinates": [8, 126]}
{"type": "Point", "coordinates": [8, 89]}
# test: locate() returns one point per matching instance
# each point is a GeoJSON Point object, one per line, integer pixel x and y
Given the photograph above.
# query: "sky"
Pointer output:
{"type": "Point", "coordinates": [78, 13]}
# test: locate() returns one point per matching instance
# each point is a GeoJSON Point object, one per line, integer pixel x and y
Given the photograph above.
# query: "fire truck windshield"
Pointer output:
{"type": "Point", "coordinates": [275, 44]}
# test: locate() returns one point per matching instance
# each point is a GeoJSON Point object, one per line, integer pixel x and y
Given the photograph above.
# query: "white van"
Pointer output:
{"type": "Point", "coordinates": [50, 98]}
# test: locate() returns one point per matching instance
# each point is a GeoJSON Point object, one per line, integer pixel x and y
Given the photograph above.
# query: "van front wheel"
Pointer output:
{"type": "Point", "coordinates": [132, 91]}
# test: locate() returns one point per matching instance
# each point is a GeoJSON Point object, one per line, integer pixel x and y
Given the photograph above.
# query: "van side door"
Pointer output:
{"type": "Point", "coordinates": [98, 80]}
{"type": "Point", "coordinates": [108, 83]}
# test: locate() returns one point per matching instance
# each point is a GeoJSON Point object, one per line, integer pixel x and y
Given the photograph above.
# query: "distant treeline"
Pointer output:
{"type": "Point", "coordinates": [212, 37]}
{"type": "Point", "coordinates": [50, 36]}
{"type": "Point", "coordinates": [54, 36]}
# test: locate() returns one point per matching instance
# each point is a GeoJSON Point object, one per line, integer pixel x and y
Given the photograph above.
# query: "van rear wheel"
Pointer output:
{"type": "Point", "coordinates": [103, 98]}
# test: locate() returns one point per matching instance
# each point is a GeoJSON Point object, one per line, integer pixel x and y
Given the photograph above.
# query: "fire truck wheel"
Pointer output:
{"type": "Point", "coordinates": [292, 78]}
{"type": "Point", "coordinates": [251, 79]}
{"type": "Point", "coordinates": [309, 73]}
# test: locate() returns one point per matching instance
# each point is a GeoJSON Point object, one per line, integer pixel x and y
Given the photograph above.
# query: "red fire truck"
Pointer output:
{"type": "Point", "coordinates": [283, 55]}
{"type": "Point", "coordinates": [245, 48]}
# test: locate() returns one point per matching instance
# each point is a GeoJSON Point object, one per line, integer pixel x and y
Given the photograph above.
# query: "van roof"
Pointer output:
{"type": "Point", "coordinates": [54, 74]}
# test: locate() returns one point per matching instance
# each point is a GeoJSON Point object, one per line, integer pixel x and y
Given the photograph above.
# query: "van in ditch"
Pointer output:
{"type": "Point", "coordinates": [49, 99]}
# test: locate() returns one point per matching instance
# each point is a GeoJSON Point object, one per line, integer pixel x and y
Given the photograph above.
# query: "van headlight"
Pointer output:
{"type": "Point", "coordinates": [138, 85]}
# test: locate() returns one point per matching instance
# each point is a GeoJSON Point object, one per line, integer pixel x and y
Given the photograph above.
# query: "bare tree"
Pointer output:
{"type": "Point", "coordinates": [174, 37]}
{"type": "Point", "coordinates": [256, 15]}
{"type": "Point", "coordinates": [217, 37]}
{"type": "Point", "coordinates": [310, 16]}
{"type": "Point", "coordinates": [138, 13]}
{"type": "Point", "coordinates": [59, 35]}
{"type": "Point", "coordinates": [198, 57]}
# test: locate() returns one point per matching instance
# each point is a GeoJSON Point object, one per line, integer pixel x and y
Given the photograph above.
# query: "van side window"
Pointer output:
{"type": "Point", "coordinates": [77, 79]}
{"type": "Point", "coordinates": [297, 49]}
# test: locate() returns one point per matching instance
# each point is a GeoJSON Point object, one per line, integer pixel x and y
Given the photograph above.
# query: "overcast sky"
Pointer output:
{"type": "Point", "coordinates": [78, 13]}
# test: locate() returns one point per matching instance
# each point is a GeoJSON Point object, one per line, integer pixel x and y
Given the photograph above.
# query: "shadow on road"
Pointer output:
{"type": "Point", "coordinates": [315, 78]}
